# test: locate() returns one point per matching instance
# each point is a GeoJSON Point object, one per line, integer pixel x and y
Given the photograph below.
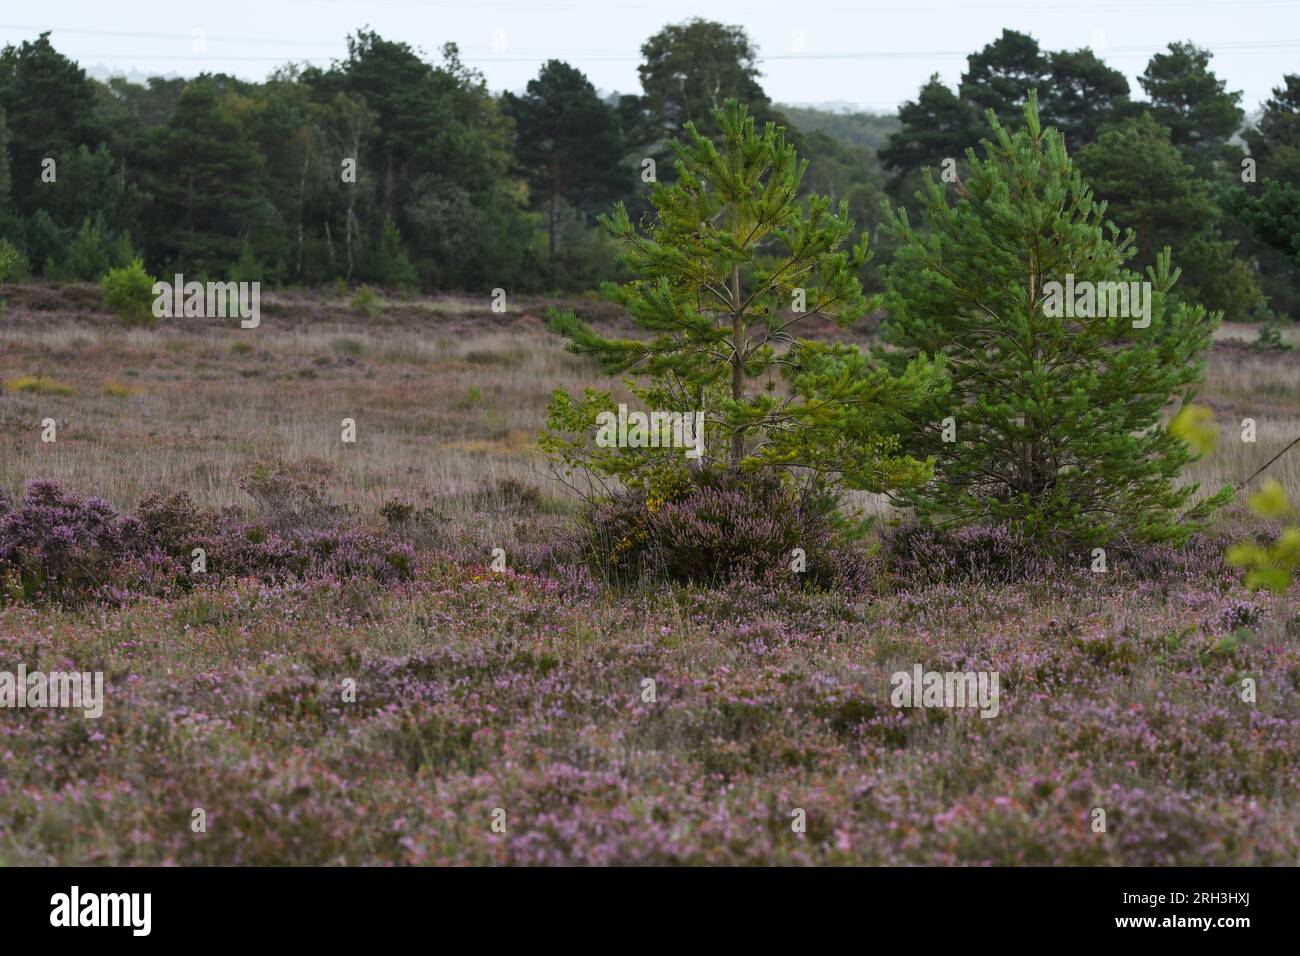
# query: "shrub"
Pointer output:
{"type": "Point", "coordinates": [724, 525]}
{"type": "Point", "coordinates": [921, 554]}
{"type": "Point", "coordinates": [53, 545]}
{"type": "Point", "coordinates": [59, 548]}
{"type": "Point", "coordinates": [365, 302]}
{"type": "Point", "coordinates": [14, 266]}
{"type": "Point", "coordinates": [128, 292]}
{"type": "Point", "coordinates": [1269, 337]}
{"type": "Point", "coordinates": [507, 494]}
{"type": "Point", "coordinates": [291, 494]}
{"type": "Point", "coordinates": [172, 523]}
{"type": "Point", "coordinates": [423, 527]}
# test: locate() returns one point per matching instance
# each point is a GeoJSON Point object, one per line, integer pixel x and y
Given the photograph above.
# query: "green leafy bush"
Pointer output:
{"type": "Point", "coordinates": [14, 266]}
{"type": "Point", "coordinates": [92, 252]}
{"type": "Point", "coordinates": [128, 291]}
{"type": "Point", "coordinates": [365, 302]}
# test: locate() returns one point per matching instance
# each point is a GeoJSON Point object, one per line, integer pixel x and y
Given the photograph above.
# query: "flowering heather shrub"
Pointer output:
{"type": "Point", "coordinates": [478, 690]}
{"type": "Point", "coordinates": [923, 554]}
{"type": "Point", "coordinates": [1235, 614]}
{"type": "Point", "coordinates": [244, 549]}
{"type": "Point", "coordinates": [53, 544]}
{"type": "Point", "coordinates": [60, 548]}
{"type": "Point", "coordinates": [725, 525]}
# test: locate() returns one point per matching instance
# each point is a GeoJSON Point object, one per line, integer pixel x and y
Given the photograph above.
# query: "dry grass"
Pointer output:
{"type": "Point", "coordinates": [447, 397]}
{"type": "Point", "coordinates": [438, 413]}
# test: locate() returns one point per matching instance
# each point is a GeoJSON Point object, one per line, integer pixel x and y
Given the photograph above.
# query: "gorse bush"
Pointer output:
{"type": "Point", "coordinates": [1052, 425]}
{"type": "Point", "coordinates": [128, 292]}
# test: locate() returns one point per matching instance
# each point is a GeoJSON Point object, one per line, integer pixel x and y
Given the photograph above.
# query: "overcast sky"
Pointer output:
{"type": "Point", "coordinates": [872, 54]}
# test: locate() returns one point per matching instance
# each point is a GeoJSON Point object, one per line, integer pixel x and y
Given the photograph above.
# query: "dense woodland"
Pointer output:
{"type": "Point", "coordinates": [459, 188]}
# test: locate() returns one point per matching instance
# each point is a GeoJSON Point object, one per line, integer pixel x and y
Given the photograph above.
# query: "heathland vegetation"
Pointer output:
{"type": "Point", "coordinates": [390, 574]}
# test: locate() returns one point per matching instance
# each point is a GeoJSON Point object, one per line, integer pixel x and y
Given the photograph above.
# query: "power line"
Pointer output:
{"type": "Point", "coordinates": [596, 56]}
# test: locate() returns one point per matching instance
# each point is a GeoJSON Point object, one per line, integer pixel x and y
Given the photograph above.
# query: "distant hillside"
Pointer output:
{"type": "Point", "coordinates": [856, 129]}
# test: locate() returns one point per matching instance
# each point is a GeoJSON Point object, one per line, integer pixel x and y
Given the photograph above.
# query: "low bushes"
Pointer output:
{"type": "Point", "coordinates": [128, 292]}
{"type": "Point", "coordinates": [922, 554]}
{"type": "Point", "coordinates": [721, 526]}
{"type": "Point", "coordinates": [60, 548]}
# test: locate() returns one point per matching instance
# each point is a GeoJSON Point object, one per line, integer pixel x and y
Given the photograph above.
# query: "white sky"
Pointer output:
{"type": "Point", "coordinates": [871, 54]}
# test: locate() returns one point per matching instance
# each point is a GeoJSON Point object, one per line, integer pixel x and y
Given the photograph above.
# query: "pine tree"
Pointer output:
{"type": "Point", "coordinates": [1194, 104]}
{"type": "Point", "coordinates": [206, 179]}
{"type": "Point", "coordinates": [1054, 422]}
{"type": "Point", "coordinates": [569, 143]}
{"type": "Point", "coordinates": [732, 263]}
{"type": "Point", "coordinates": [1274, 140]}
{"type": "Point", "coordinates": [1272, 215]}
{"type": "Point", "coordinates": [1001, 76]}
{"type": "Point", "coordinates": [1150, 188]}
{"type": "Point", "coordinates": [50, 110]}
{"type": "Point", "coordinates": [939, 124]}
{"type": "Point", "coordinates": [1083, 95]}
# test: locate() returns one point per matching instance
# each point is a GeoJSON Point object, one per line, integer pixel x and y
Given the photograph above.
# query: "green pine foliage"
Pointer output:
{"type": "Point", "coordinates": [1058, 421]}
{"type": "Point", "coordinates": [731, 265]}
{"type": "Point", "coordinates": [128, 292]}
{"type": "Point", "coordinates": [1149, 187]}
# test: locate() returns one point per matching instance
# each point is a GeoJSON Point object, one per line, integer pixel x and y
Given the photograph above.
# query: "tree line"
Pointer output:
{"type": "Point", "coordinates": [392, 169]}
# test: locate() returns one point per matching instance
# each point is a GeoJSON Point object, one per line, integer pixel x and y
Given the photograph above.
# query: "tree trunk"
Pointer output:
{"type": "Point", "coordinates": [388, 189]}
{"type": "Point", "coordinates": [552, 226]}
{"type": "Point", "coordinates": [348, 237]}
{"type": "Point", "coordinates": [302, 201]}
{"type": "Point", "coordinates": [737, 361]}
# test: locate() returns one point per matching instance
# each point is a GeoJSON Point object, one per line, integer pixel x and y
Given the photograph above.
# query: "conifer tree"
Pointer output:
{"type": "Point", "coordinates": [1054, 418]}
{"type": "Point", "coordinates": [1149, 187]}
{"type": "Point", "coordinates": [732, 263]}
